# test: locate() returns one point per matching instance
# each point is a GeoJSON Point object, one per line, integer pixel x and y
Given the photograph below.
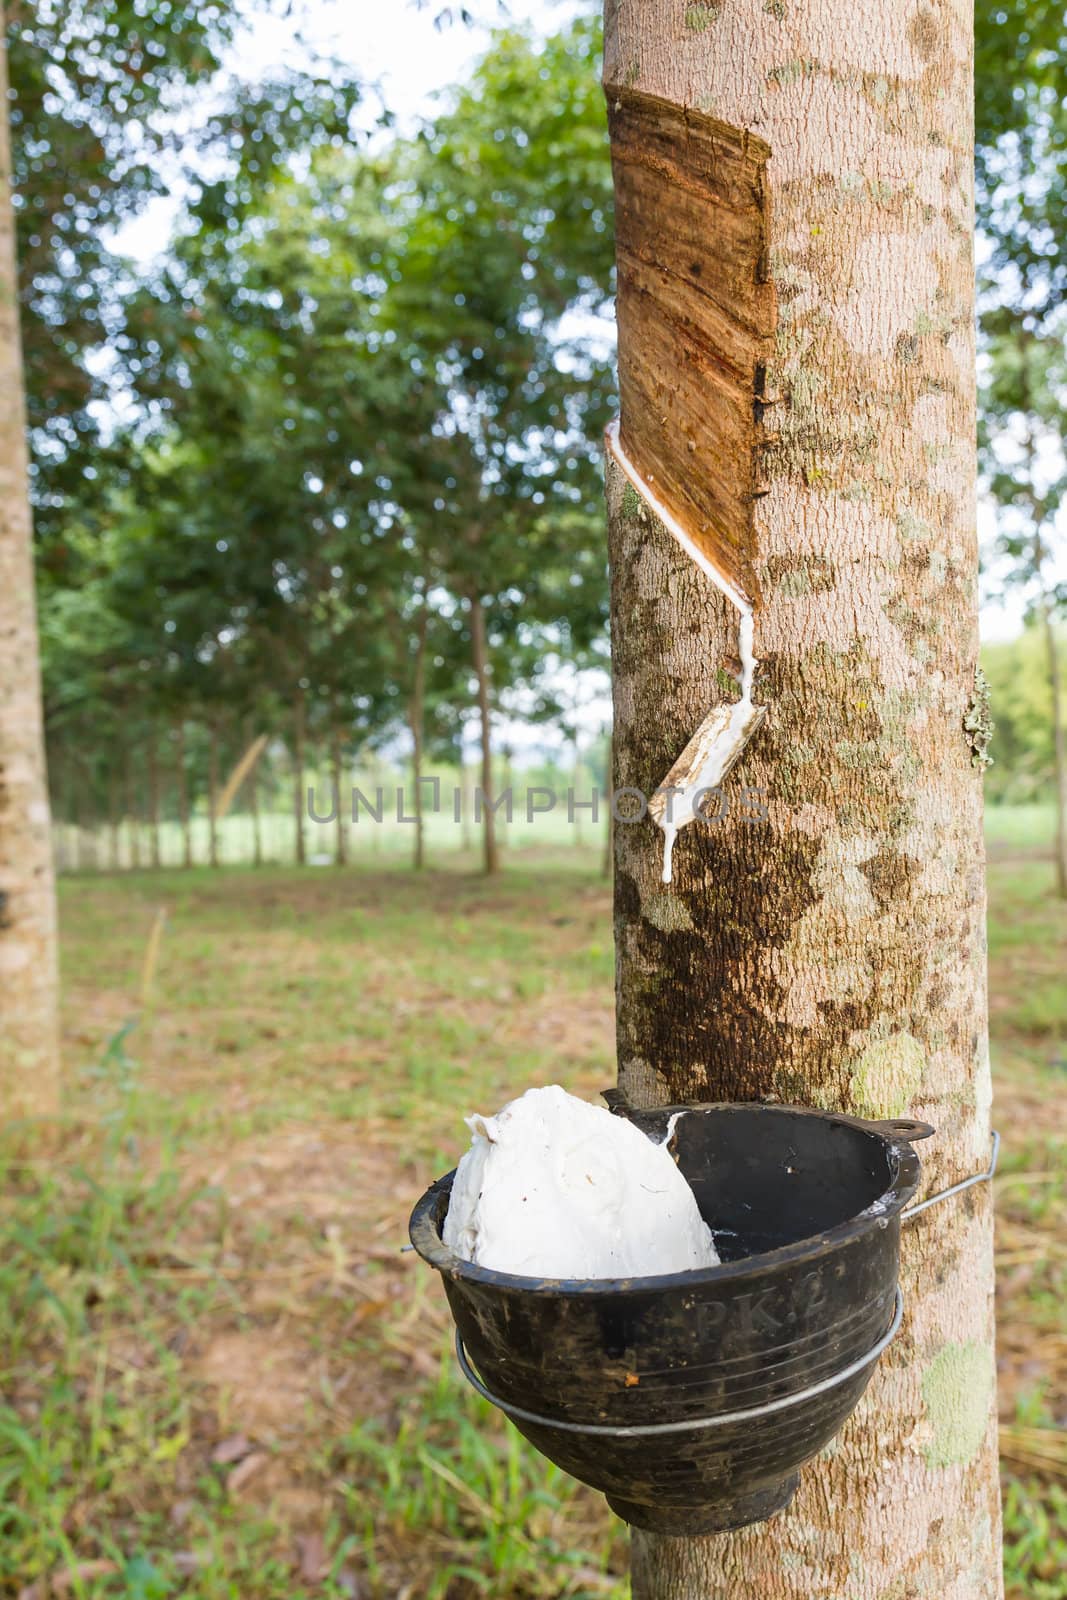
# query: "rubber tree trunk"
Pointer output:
{"type": "Point", "coordinates": [257, 824]}
{"type": "Point", "coordinates": [340, 853]}
{"type": "Point", "coordinates": [1059, 738]}
{"type": "Point", "coordinates": [833, 952]}
{"type": "Point", "coordinates": [132, 820]}
{"type": "Point", "coordinates": [609, 823]}
{"type": "Point", "coordinates": [213, 795]}
{"type": "Point", "coordinates": [29, 1040]}
{"type": "Point", "coordinates": [480, 658]}
{"type": "Point", "coordinates": [114, 814]}
{"type": "Point", "coordinates": [181, 784]}
{"type": "Point", "coordinates": [154, 840]}
{"type": "Point", "coordinates": [416, 721]}
{"type": "Point", "coordinates": [69, 808]}
{"type": "Point", "coordinates": [465, 804]}
{"type": "Point", "coordinates": [299, 803]}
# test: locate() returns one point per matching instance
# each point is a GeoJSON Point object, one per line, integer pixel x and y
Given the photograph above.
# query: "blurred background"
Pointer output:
{"type": "Point", "coordinates": [317, 317]}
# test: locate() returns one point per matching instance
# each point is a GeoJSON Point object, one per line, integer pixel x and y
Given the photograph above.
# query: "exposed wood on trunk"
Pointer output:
{"type": "Point", "coordinates": [480, 657]}
{"type": "Point", "coordinates": [29, 1047]}
{"type": "Point", "coordinates": [695, 313]}
{"type": "Point", "coordinates": [831, 951]}
{"type": "Point", "coordinates": [416, 722]}
{"type": "Point", "coordinates": [299, 748]}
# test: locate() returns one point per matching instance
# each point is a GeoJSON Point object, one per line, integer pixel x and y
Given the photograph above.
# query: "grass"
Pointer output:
{"type": "Point", "coordinates": [220, 1377]}
{"type": "Point", "coordinates": [1018, 828]}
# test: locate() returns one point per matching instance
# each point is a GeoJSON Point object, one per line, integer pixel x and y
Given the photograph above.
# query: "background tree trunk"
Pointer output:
{"type": "Point", "coordinates": [132, 820]}
{"type": "Point", "coordinates": [299, 801]}
{"type": "Point", "coordinates": [213, 795]}
{"type": "Point", "coordinates": [114, 822]}
{"type": "Point", "coordinates": [1059, 739]}
{"type": "Point", "coordinates": [253, 806]}
{"type": "Point", "coordinates": [181, 783]}
{"type": "Point", "coordinates": [29, 1039]}
{"type": "Point", "coordinates": [465, 804]}
{"type": "Point", "coordinates": [155, 845]}
{"type": "Point", "coordinates": [416, 721]}
{"type": "Point", "coordinates": [480, 657]}
{"type": "Point", "coordinates": [833, 953]}
{"type": "Point", "coordinates": [340, 856]}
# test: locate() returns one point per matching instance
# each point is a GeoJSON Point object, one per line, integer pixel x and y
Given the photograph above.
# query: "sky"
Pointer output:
{"type": "Point", "coordinates": [395, 45]}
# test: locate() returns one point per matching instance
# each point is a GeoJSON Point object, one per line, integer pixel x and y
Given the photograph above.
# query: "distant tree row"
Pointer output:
{"type": "Point", "coordinates": [347, 478]}
{"type": "Point", "coordinates": [337, 476]}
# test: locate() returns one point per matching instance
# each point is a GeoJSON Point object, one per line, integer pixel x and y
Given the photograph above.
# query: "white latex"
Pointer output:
{"type": "Point", "coordinates": [553, 1187]}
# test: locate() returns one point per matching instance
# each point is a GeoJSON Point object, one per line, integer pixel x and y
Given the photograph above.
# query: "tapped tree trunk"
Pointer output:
{"type": "Point", "coordinates": [809, 207]}
{"type": "Point", "coordinates": [1059, 738]}
{"type": "Point", "coordinates": [299, 741]}
{"type": "Point", "coordinates": [416, 719]}
{"type": "Point", "coordinates": [609, 824]}
{"type": "Point", "coordinates": [29, 1038]}
{"type": "Point", "coordinates": [480, 655]}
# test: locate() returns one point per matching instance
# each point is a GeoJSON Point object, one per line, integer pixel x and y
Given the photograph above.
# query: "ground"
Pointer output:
{"type": "Point", "coordinates": [221, 1376]}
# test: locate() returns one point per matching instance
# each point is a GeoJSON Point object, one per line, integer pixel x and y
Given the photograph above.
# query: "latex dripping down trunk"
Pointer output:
{"type": "Point", "coordinates": [718, 742]}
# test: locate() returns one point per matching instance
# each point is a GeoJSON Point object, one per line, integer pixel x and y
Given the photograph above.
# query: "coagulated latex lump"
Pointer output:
{"type": "Point", "coordinates": [553, 1187]}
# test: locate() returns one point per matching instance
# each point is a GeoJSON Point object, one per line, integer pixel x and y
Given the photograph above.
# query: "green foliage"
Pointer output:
{"type": "Point", "coordinates": [103, 93]}
{"type": "Point", "coordinates": [1021, 148]}
{"type": "Point", "coordinates": [1020, 695]}
{"type": "Point", "coordinates": [451, 1470]}
{"type": "Point", "coordinates": [1035, 1541]}
{"type": "Point", "coordinates": [362, 394]}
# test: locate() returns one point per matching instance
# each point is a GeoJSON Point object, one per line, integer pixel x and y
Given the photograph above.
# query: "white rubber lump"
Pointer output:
{"type": "Point", "coordinates": [553, 1187]}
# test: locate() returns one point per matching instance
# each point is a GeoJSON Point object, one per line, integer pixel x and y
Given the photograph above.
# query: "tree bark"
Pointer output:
{"type": "Point", "coordinates": [299, 742]}
{"type": "Point", "coordinates": [114, 822]}
{"type": "Point", "coordinates": [253, 805]}
{"type": "Point", "coordinates": [155, 848]}
{"type": "Point", "coordinates": [480, 657]}
{"type": "Point", "coordinates": [340, 855]}
{"type": "Point", "coordinates": [213, 795]}
{"type": "Point", "coordinates": [830, 952]}
{"type": "Point", "coordinates": [465, 804]}
{"type": "Point", "coordinates": [1059, 739]}
{"type": "Point", "coordinates": [132, 820]}
{"type": "Point", "coordinates": [416, 721]}
{"type": "Point", "coordinates": [181, 783]}
{"type": "Point", "coordinates": [29, 1036]}
{"type": "Point", "coordinates": [609, 824]}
